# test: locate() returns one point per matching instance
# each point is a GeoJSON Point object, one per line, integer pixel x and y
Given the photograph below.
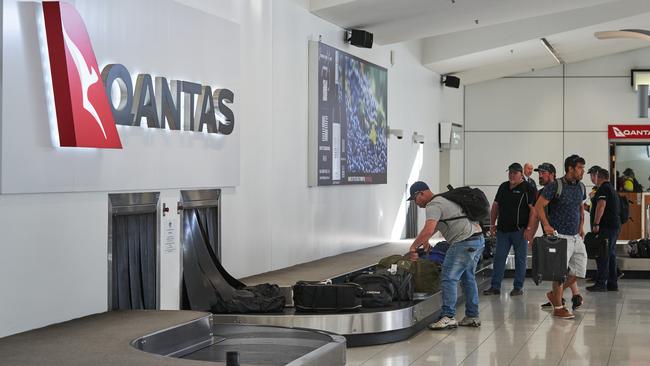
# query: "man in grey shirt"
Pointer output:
{"type": "Point", "coordinates": [466, 245]}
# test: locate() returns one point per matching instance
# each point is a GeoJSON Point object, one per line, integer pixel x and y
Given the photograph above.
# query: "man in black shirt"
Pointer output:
{"type": "Point", "coordinates": [512, 207]}
{"type": "Point", "coordinates": [606, 221]}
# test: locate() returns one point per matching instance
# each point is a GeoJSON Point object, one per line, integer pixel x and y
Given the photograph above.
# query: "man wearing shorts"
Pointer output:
{"type": "Point", "coordinates": [564, 199]}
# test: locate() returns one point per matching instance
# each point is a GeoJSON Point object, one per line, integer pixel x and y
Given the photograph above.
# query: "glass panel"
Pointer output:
{"type": "Point", "coordinates": [632, 167]}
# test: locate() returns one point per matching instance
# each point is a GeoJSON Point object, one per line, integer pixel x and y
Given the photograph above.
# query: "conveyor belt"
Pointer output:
{"type": "Point", "coordinates": [367, 326]}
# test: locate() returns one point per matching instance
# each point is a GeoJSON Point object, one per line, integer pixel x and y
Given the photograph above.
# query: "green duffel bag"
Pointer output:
{"type": "Point", "coordinates": [405, 264]}
{"type": "Point", "coordinates": [426, 275]}
{"type": "Point", "coordinates": [385, 263]}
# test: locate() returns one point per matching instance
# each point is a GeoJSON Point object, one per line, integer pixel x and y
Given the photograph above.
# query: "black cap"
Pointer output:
{"type": "Point", "coordinates": [546, 167]}
{"type": "Point", "coordinates": [416, 187]}
{"type": "Point", "coordinates": [594, 169]}
{"type": "Point", "coordinates": [516, 167]}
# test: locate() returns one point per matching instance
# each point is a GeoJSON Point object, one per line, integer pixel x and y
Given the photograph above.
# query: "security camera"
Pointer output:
{"type": "Point", "coordinates": [397, 133]}
{"type": "Point", "coordinates": [418, 138]}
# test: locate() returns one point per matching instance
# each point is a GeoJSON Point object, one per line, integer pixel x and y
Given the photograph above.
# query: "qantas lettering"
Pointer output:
{"type": "Point", "coordinates": [159, 102]}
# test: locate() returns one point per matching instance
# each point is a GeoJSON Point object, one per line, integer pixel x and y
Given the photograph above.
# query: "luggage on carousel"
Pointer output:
{"type": "Point", "coordinates": [426, 276]}
{"type": "Point", "coordinates": [597, 246]}
{"type": "Point", "coordinates": [549, 259]}
{"type": "Point", "coordinates": [262, 298]}
{"type": "Point", "coordinates": [378, 289]}
{"type": "Point", "coordinates": [326, 297]}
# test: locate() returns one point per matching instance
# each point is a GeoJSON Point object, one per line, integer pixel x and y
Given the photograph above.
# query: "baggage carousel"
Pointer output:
{"type": "Point", "coordinates": [366, 326]}
{"type": "Point", "coordinates": [168, 338]}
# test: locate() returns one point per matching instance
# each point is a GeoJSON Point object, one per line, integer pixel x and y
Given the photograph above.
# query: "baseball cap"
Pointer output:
{"type": "Point", "coordinates": [516, 167]}
{"type": "Point", "coordinates": [546, 167]}
{"type": "Point", "coordinates": [416, 187]}
{"type": "Point", "coordinates": [594, 169]}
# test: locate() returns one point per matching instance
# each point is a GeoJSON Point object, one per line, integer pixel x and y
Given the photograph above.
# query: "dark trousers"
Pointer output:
{"type": "Point", "coordinates": [607, 275]}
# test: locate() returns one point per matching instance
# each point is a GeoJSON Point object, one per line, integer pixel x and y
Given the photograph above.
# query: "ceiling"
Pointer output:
{"type": "Point", "coordinates": [480, 40]}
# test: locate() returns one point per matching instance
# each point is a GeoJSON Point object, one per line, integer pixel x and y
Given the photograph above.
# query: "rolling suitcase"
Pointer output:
{"type": "Point", "coordinates": [597, 246]}
{"type": "Point", "coordinates": [323, 297]}
{"type": "Point", "coordinates": [549, 259]}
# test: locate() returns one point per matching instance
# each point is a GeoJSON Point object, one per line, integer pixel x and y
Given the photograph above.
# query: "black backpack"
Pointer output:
{"type": "Point", "coordinates": [624, 212]}
{"type": "Point", "coordinates": [473, 201]}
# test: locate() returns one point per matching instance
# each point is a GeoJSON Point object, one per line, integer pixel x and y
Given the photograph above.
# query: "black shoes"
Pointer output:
{"type": "Point", "coordinates": [516, 292]}
{"type": "Point", "coordinates": [597, 288]}
{"type": "Point", "coordinates": [492, 291]}
{"type": "Point", "coordinates": [612, 288]}
{"type": "Point", "coordinates": [548, 305]}
{"type": "Point", "coordinates": [576, 301]}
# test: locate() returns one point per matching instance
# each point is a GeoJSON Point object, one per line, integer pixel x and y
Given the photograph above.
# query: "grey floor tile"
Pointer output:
{"type": "Point", "coordinates": [610, 329]}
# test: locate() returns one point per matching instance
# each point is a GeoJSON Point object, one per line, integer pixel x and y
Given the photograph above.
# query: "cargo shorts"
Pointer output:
{"type": "Point", "coordinates": [576, 254]}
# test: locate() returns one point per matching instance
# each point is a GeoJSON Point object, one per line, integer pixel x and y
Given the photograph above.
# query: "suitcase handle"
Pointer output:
{"type": "Point", "coordinates": [553, 237]}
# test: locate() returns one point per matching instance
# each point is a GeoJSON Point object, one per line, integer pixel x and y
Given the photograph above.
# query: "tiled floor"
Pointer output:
{"type": "Point", "coordinates": [611, 329]}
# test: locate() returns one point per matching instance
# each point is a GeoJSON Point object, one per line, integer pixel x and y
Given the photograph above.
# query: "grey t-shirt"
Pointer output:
{"type": "Point", "coordinates": [453, 231]}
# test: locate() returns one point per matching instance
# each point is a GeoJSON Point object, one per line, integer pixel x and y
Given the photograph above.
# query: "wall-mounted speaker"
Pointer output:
{"type": "Point", "coordinates": [359, 38]}
{"type": "Point", "coordinates": [450, 81]}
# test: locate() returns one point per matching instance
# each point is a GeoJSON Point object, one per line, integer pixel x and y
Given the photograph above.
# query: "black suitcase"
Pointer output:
{"type": "Point", "coordinates": [323, 297]}
{"type": "Point", "coordinates": [597, 246]}
{"type": "Point", "coordinates": [549, 259]}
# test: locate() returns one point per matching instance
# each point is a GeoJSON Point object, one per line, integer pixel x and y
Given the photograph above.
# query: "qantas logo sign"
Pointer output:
{"type": "Point", "coordinates": [82, 95]}
{"type": "Point", "coordinates": [83, 113]}
{"type": "Point", "coordinates": [629, 131]}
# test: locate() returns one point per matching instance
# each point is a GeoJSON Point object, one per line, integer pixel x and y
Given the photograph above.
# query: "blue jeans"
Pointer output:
{"type": "Point", "coordinates": [506, 240]}
{"type": "Point", "coordinates": [460, 265]}
{"type": "Point", "coordinates": [607, 267]}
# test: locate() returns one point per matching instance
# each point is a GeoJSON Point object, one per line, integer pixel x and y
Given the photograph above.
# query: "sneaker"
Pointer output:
{"type": "Point", "coordinates": [444, 323]}
{"type": "Point", "coordinates": [596, 288]}
{"type": "Point", "coordinates": [576, 301]}
{"type": "Point", "coordinates": [516, 292]}
{"type": "Point", "coordinates": [469, 321]}
{"type": "Point", "coordinates": [549, 306]}
{"type": "Point", "coordinates": [563, 313]}
{"type": "Point", "coordinates": [492, 291]}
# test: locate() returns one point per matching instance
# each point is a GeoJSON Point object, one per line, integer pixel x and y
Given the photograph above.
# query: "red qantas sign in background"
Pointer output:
{"type": "Point", "coordinates": [84, 117]}
{"type": "Point", "coordinates": [629, 131]}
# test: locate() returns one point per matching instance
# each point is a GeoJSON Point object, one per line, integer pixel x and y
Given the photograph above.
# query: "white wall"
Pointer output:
{"type": "Point", "coordinates": [548, 115]}
{"type": "Point", "coordinates": [54, 245]}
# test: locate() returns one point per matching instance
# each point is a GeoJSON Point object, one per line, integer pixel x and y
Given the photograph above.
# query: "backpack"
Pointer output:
{"type": "Point", "coordinates": [624, 212]}
{"type": "Point", "coordinates": [473, 201]}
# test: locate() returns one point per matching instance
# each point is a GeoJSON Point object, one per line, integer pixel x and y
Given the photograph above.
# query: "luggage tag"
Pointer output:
{"type": "Point", "coordinates": [393, 269]}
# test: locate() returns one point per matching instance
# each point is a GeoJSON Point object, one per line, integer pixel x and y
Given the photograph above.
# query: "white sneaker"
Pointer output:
{"type": "Point", "coordinates": [444, 323]}
{"type": "Point", "coordinates": [470, 322]}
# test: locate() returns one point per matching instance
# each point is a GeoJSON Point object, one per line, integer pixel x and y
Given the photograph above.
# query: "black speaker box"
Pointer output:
{"type": "Point", "coordinates": [360, 38]}
{"type": "Point", "coordinates": [452, 81]}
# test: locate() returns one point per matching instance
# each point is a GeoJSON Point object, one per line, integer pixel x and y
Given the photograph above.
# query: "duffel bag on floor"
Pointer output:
{"type": "Point", "coordinates": [323, 297]}
{"type": "Point", "coordinates": [263, 298]}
